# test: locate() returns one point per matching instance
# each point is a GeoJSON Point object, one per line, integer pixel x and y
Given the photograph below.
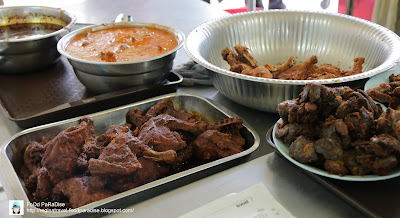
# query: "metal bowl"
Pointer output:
{"type": "Point", "coordinates": [35, 53]}
{"type": "Point", "coordinates": [273, 36]}
{"type": "Point", "coordinates": [103, 77]}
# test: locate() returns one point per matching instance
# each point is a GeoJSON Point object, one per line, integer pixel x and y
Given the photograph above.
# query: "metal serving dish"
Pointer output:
{"type": "Point", "coordinates": [35, 53]}
{"type": "Point", "coordinates": [273, 36]}
{"type": "Point", "coordinates": [103, 77]}
{"type": "Point", "coordinates": [12, 151]}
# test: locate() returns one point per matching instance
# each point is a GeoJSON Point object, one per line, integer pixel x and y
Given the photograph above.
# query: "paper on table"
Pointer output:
{"type": "Point", "coordinates": [254, 202]}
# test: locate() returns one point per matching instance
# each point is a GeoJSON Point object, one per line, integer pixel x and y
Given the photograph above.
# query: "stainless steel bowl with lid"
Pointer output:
{"type": "Point", "coordinates": [36, 52]}
{"type": "Point", "coordinates": [103, 77]}
{"type": "Point", "coordinates": [273, 36]}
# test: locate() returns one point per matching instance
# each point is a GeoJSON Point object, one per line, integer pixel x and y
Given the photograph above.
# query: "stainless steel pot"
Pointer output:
{"type": "Point", "coordinates": [103, 77]}
{"type": "Point", "coordinates": [32, 54]}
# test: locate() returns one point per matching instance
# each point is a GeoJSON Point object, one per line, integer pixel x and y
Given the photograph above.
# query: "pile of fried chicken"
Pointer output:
{"type": "Point", "coordinates": [77, 168]}
{"type": "Point", "coordinates": [243, 62]}
{"type": "Point", "coordinates": [387, 93]}
{"type": "Point", "coordinates": [340, 130]}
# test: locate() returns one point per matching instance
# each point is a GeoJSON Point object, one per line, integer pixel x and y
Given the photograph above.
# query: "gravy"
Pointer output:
{"type": "Point", "coordinates": [27, 30]}
{"type": "Point", "coordinates": [120, 44]}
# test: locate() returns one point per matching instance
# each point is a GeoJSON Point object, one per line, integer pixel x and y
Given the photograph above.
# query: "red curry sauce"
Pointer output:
{"type": "Point", "coordinates": [120, 44]}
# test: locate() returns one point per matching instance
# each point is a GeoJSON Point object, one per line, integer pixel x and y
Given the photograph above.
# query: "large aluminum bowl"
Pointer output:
{"type": "Point", "coordinates": [273, 36]}
{"type": "Point", "coordinates": [35, 53]}
{"type": "Point", "coordinates": [103, 77]}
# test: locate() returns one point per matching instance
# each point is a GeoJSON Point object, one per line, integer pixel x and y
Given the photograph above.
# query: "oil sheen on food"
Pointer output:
{"type": "Point", "coordinates": [27, 30]}
{"type": "Point", "coordinates": [120, 44]}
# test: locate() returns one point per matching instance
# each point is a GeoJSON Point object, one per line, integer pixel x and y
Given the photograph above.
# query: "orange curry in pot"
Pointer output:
{"type": "Point", "coordinates": [120, 44]}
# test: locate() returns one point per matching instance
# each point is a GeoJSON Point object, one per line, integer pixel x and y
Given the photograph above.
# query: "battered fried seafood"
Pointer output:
{"type": "Point", "coordinates": [243, 62]}
{"type": "Point", "coordinates": [340, 130]}
{"type": "Point", "coordinates": [387, 93]}
{"type": "Point", "coordinates": [77, 168]}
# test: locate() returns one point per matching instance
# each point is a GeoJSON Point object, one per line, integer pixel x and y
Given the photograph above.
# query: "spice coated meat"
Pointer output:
{"type": "Point", "coordinates": [241, 61]}
{"type": "Point", "coordinates": [387, 93]}
{"type": "Point", "coordinates": [77, 168]}
{"type": "Point", "coordinates": [340, 130]}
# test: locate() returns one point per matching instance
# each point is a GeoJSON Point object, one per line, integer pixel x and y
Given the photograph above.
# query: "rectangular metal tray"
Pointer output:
{"type": "Point", "coordinates": [12, 151]}
{"type": "Point", "coordinates": [374, 199]}
{"type": "Point", "coordinates": [56, 94]}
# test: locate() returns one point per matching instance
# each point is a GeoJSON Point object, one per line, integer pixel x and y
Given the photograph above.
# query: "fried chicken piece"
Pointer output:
{"type": "Point", "coordinates": [389, 123]}
{"type": "Point", "coordinates": [160, 108]}
{"type": "Point", "coordinates": [284, 108]}
{"type": "Point", "coordinates": [393, 78]}
{"type": "Point", "coordinates": [336, 167]}
{"type": "Point", "coordinates": [314, 101]}
{"type": "Point", "coordinates": [33, 155]}
{"type": "Point", "coordinates": [135, 116]}
{"type": "Point", "coordinates": [79, 192]}
{"type": "Point", "coordinates": [357, 67]}
{"type": "Point", "coordinates": [303, 150]}
{"type": "Point", "coordinates": [291, 131]}
{"type": "Point", "coordinates": [350, 162]}
{"type": "Point", "coordinates": [380, 93]}
{"type": "Point", "coordinates": [327, 99]}
{"type": "Point", "coordinates": [337, 130]}
{"type": "Point", "coordinates": [357, 101]}
{"type": "Point", "coordinates": [98, 183]}
{"type": "Point", "coordinates": [44, 186]}
{"type": "Point", "coordinates": [303, 113]}
{"type": "Point", "coordinates": [112, 132]}
{"type": "Point", "coordinates": [387, 93]}
{"type": "Point", "coordinates": [212, 145]}
{"type": "Point", "coordinates": [237, 65]}
{"type": "Point", "coordinates": [370, 147]}
{"type": "Point", "coordinates": [258, 72]}
{"type": "Point", "coordinates": [149, 172]}
{"type": "Point", "coordinates": [90, 148]}
{"type": "Point", "coordinates": [160, 132]}
{"type": "Point", "coordinates": [240, 68]}
{"type": "Point", "coordinates": [360, 124]}
{"type": "Point", "coordinates": [32, 161]}
{"type": "Point", "coordinates": [288, 64]}
{"type": "Point", "coordinates": [396, 91]}
{"type": "Point", "coordinates": [311, 93]}
{"type": "Point", "coordinates": [243, 62]}
{"type": "Point", "coordinates": [329, 148]}
{"type": "Point", "coordinates": [139, 148]}
{"type": "Point", "coordinates": [228, 125]}
{"type": "Point", "coordinates": [325, 71]}
{"type": "Point", "coordinates": [387, 141]}
{"type": "Point", "coordinates": [231, 126]}
{"type": "Point", "coordinates": [372, 105]}
{"type": "Point", "coordinates": [115, 159]}
{"type": "Point", "coordinates": [244, 56]}
{"type": "Point", "coordinates": [229, 56]}
{"type": "Point", "coordinates": [395, 102]}
{"type": "Point", "coordinates": [166, 106]}
{"type": "Point", "coordinates": [62, 152]}
{"type": "Point", "coordinates": [303, 70]}
{"type": "Point", "coordinates": [383, 166]}
{"type": "Point", "coordinates": [160, 138]}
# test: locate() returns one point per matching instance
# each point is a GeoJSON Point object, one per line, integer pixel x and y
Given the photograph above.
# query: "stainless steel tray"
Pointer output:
{"type": "Point", "coordinates": [11, 155]}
